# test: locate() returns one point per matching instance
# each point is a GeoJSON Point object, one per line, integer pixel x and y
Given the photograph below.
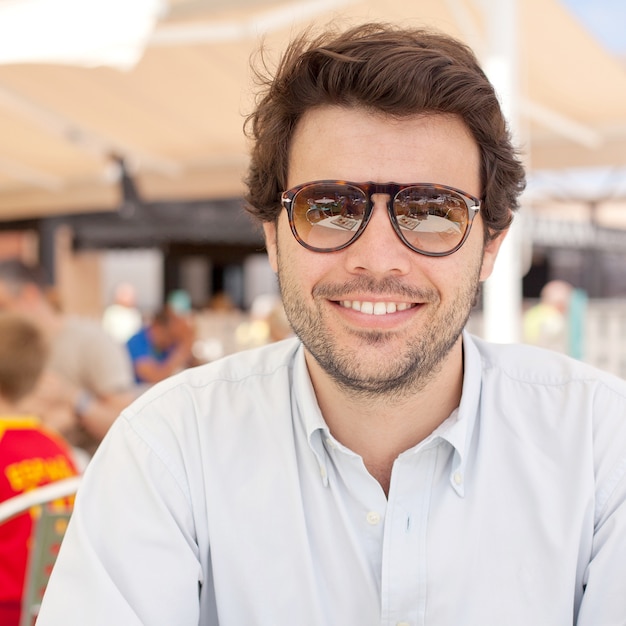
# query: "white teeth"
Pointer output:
{"type": "Point", "coordinates": [375, 308]}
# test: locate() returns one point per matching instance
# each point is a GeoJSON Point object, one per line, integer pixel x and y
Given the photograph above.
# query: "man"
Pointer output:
{"type": "Point", "coordinates": [162, 347]}
{"type": "Point", "coordinates": [88, 379]}
{"type": "Point", "coordinates": [384, 467]}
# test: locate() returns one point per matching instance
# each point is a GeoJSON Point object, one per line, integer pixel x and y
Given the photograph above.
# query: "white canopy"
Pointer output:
{"type": "Point", "coordinates": [176, 116]}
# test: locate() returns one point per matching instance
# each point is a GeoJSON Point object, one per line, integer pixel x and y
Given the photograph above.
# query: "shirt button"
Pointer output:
{"type": "Point", "coordinates": [373, 518]}
{"type": "Point", "coordinates": [458, 478]}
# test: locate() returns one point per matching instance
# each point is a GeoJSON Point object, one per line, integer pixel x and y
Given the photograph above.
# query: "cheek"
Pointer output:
{"type": "Point", "coordinates": [468, 261]}
{"type": "Point", "coordinates": [300, 269]}
{"type": "Point", "coordinates": [458, 274]}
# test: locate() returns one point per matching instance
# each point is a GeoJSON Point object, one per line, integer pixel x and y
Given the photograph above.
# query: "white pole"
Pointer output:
{"type": "Point", "coordinates": [502, 294]}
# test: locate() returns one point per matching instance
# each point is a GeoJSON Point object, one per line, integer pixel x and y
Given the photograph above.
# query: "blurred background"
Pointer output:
{"type": "Point", "coordinates": [122, 157]}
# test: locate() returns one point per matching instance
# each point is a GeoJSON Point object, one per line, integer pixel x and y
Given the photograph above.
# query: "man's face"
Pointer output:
{"type": "Point", "coordinates": [427, 299]}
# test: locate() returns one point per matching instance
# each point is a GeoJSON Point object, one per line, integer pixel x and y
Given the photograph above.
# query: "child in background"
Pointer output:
{"type": "Point", "coordinates": [31, 455]}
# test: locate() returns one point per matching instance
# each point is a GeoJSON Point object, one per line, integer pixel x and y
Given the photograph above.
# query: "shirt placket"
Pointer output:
{"type": "Point", "coordinates": [405, 564]}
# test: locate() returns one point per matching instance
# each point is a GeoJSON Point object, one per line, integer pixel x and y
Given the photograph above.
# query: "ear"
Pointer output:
{"type": "Point", "coordinates": [269, 228]}
{"type": "Point", "coordinates": [490, 254]}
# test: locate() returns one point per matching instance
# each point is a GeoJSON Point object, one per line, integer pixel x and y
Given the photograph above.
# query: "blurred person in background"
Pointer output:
{"type": "Point", "coordinates": [162, 347]}
{"type": "Point", "coordinates": [31, 454]}
{"type": "Point", "coordinates": [122, 319]}
{"type": "Point", "coordinates": [546, 323]}
{"type": "Point", "coordinates": [557, 321]}
{"type": "Point", "coordinates": [88, 379]}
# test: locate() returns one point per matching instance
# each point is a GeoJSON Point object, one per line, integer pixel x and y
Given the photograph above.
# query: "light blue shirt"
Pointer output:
{"type": "Point", "coordinates": [220, 497]}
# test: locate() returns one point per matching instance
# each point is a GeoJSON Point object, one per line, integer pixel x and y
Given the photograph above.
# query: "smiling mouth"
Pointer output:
{"type": "Point", "coordinates": [376, 308]}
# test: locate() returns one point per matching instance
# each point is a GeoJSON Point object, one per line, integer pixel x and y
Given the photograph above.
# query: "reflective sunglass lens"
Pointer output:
{"type": "Point", "coordinates": [431, 219]}
{"type": "Point", "coordinates": [327, 216]}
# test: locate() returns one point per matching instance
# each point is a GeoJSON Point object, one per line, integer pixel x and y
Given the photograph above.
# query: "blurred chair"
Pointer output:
{"type": "Point", "coordinates": [53, 508]}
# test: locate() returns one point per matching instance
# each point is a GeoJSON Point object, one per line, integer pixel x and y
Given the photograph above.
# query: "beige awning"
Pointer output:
{"type": "Point", "coordinates": [176, 117]}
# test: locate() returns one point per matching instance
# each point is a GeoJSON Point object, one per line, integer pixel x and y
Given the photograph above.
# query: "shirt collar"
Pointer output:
{"type": "Point", "coordinates": [461, 436]}
{"type": "Point", "coordinates": [306, 409]}
{"type": "Point", "coordinates": [457, 430]}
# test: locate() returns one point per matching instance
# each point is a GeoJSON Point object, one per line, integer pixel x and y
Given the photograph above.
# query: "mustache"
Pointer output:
{"type": "Point", "coordinates": [388, 286]}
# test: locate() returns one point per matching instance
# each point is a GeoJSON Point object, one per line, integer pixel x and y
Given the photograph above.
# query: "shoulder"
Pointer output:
{"type": "Point", "coordinates": [548, 399]}
{"type": "Point", "coordinates": [239, 405]}
{"type": "Point", "coordinates": [242, 382]}
{"type": "Point", "coordinates": [532, 365]}
{"type": "Point", "coordinates": [552, 417]}
{"type": "Point", "coordinates": [230, 415]}
{"type": "Point", "coordinates": [552, 396]}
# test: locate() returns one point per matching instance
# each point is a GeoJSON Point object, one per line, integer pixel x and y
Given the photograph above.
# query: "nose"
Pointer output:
{"type": "Point", "coordinates": [379, 250]}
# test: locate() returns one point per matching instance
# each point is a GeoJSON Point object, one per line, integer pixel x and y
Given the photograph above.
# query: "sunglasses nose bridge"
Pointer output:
{"type": "Point", "coordinates": [377, 199]}
{"type": "Point", "coordinates": [383, 196]}
{"type": "Point", "coordinates": [379, 211]}
{"type": "Point", "coordinates": [380, 198]}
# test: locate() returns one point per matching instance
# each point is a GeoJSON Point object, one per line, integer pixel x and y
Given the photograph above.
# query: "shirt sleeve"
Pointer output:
{"type": "Point", "coordinates": [604, 596]}
{"type": "Point", "coordinates": [129, 555]}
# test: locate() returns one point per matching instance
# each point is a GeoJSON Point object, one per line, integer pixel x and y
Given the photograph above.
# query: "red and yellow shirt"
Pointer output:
{"type": "Point", "coordinates": [31, 455]}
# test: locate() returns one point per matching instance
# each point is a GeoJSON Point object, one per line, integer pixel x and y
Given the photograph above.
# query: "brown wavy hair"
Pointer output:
{"type": "Point", "coordinates": [386, 69]}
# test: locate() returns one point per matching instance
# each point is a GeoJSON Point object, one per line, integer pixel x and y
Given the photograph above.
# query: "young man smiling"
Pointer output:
{"type": "Point", "coordinates": [384, 467]}
{"type": "Point", "coordinates": [381, 323]}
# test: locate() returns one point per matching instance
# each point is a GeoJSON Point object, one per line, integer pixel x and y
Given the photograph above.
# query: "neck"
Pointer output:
{"type": "Point", "coordinates": [381, 427]}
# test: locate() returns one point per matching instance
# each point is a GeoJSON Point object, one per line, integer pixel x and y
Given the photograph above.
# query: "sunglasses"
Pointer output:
{"type": "Point", "coordinates": [329, 215]}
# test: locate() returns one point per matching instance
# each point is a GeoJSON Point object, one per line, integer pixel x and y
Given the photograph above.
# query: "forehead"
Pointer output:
{"type": "Point", "coordinates": [357, 145]}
